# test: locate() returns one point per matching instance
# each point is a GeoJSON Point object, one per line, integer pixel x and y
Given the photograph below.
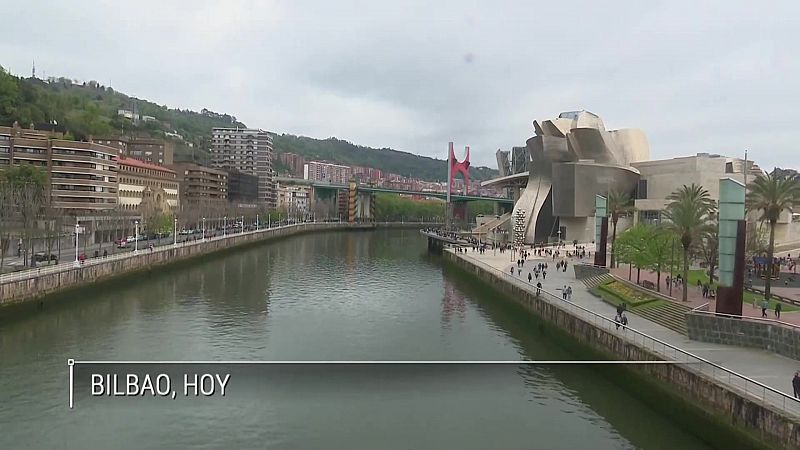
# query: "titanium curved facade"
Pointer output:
{"type": "Point", "coordinates": [572, 159]}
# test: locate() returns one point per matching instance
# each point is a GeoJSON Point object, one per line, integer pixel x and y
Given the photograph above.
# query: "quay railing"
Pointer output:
{"type": "Point", "coordinates": [736, 381]}
{"type": "Point", "coordinates": [55, 268]}
{"type": "Point", "coordinates": [61, 267]}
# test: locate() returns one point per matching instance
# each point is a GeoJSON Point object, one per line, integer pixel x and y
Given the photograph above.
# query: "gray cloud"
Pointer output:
{"type": "Point", "coordinates": [695, 76]}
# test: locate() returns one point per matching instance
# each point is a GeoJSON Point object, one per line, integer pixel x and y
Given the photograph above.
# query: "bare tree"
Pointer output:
{"type": "Point", "coordinates": [53, 227]}
{"type": "Point", "coordinates": [6, 216]}
{"type": "Point", "coordinates": [29, 198]}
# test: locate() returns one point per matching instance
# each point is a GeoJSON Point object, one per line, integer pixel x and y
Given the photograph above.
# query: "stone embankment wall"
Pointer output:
{"type": "Point", "coordinates": [767, 335]}
{"type": "Point", "coordinates": [761, 422]}
{"type": "Point", "coordinates": [24, 290]}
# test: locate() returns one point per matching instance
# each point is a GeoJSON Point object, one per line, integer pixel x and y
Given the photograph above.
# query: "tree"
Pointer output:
{"type": "Point", "coordinates": [9, 98]}
{"type": "Point", "coordinates": [618, 203]}
{"type": "Point", "coordinates": [632, 247]}
{"type": "Point", "coordinates": [771, 195]}
{"type": "Point", "coordinates": [688, 215]}
{"type": "Point", "coordinates": [708, 246]}
{"type": "Point", "coordinates": [29, 187]}
{"type": "Point", "coordinates": [658, 246]}
{"type": "Point", "coordinates": [160, 223]}
{"type": "Point", "coordinates": [7, 212]}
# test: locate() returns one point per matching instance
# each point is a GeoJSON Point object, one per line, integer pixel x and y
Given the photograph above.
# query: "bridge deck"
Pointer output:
{"type": "Point", "coordinates": [445, 239]}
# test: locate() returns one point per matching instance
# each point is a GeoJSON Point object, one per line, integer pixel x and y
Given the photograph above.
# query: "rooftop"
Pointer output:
{"type": "Point", "coordinates": [123, 161]}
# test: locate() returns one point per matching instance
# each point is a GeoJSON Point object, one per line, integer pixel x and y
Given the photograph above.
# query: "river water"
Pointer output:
{"type": "Point", "coordinates": [329, 296]}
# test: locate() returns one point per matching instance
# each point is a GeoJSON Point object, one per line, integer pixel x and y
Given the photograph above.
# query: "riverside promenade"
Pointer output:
{"type": "Point", "coordinates": [760, 375]}
{"type": "Point", "coordinates": [26, 285]}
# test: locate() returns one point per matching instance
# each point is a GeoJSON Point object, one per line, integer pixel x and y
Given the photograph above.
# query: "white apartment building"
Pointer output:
{"type": "Point", "coordinates": [293, 198]}
{"type": "Point", "coordinates": [248, 151]}
{"type": "Point", "coordinates": [327, 172]}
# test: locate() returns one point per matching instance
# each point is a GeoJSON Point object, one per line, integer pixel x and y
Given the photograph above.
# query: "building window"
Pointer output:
{"type": "Point", "coordinates": [650, 217]}
{"type": "Point", "coordinates": [641, 189]}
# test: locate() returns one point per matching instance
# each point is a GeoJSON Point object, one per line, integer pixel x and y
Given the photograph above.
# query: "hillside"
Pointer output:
{"type": "Point", "coordinates": [386, 159]}
{"type": "Point", "coordinates": [89, 109]}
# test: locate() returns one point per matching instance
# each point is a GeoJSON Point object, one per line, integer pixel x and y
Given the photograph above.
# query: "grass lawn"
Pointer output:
{"type": "Point", "coordinates": [747, 297]}
{"type": "Point", "coordinates": [615, 300]}
{"type": "Point", "coordinates": [631, 296]}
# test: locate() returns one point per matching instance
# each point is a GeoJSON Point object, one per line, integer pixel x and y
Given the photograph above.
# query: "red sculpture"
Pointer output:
{"type": "Point", "coordinates": [455, 167]}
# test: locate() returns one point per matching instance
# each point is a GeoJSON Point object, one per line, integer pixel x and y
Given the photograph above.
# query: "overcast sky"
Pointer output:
{"type": "Point", "coordinates": [697, 76]}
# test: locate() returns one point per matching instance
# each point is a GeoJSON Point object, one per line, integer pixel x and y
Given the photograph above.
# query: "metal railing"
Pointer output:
{"type": "Point", "coordinates": [61, 267]}
{"type": "Point", "coordinates": [737, 382]}
{"type": "Point", "coordinates": [37, 272]}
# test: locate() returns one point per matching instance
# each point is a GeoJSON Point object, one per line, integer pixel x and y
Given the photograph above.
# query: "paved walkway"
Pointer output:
{"type": "Point", "coordinates": [765, 367]}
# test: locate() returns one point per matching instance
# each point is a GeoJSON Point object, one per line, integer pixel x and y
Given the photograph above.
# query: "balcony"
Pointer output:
{"type": "Point", "coordinates": [82, 158]}
{"type": "Point", "coordinates": [83, 194]}
{"type": "Point", "coordinates": [81, 182]}
{"type": "Point", "coordinates": [83, 205]}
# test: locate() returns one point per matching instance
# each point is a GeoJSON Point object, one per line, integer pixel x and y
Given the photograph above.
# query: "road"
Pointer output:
{"type": "Point", "coordinates": [66, 251]}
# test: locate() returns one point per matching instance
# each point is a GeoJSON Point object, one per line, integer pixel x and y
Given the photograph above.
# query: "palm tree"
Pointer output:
{"type": "Point", "coordinates": [618, 203]}
{"type": "Point", "coordinates": [688, 214]}
{"type": "Point", "coordinates": [772, 195]}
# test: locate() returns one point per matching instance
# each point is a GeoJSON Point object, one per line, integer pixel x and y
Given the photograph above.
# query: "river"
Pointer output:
{"type": "Point", "coordinates": [330, 296]}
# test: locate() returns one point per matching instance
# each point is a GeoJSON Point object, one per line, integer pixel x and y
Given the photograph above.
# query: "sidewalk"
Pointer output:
{"type": "Point", "coordinates": [765, 367]}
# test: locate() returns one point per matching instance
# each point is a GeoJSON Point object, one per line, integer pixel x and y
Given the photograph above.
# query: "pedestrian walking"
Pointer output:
{"type": "Point", "coordinates": [764, 307]}
{"type": "Point", "coordinates": [617, 320]}
{"type": "Point", "coordinates": [624, 320]}
{"type": "Point", "coordinates": [778, 310]}
{"type": "Point", "coordinates": [796, 385]}
{"type": "Point", "coordinates": [538, 288]}
{"type": "Point", "coordinates": [569, 292]}
{"type": "Point", "coordinates": [530, 277]}
{"type": "Point", "coordinates": [544, 275]}
{"type": "Point", "coordinates": [564, 292]}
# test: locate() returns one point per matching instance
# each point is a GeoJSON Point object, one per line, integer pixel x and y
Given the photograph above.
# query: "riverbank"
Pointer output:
{"type": "Point", "coordinates": [32, 285]}
{"type": "Point", "coordinates": [753, 411]}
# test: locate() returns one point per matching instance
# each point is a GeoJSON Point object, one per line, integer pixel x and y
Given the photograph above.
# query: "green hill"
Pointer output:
{"type": "Point", "coordinates": [386, 159]}
{"type": "Point", "coordinates": [91, 110]}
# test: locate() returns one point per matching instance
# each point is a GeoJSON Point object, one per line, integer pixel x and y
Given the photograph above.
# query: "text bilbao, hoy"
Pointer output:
{"type": "Point", "coordinates": [161, 385]}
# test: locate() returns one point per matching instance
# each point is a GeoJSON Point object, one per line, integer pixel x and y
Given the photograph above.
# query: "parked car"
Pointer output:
{"type": "Point", "coordinates": [122, 243]}
{"type": "Point", "coordinates": [42, 256]}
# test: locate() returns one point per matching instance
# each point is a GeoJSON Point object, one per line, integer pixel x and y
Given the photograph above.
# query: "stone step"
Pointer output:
{"type": "Point", "coordinates": [663, 316]}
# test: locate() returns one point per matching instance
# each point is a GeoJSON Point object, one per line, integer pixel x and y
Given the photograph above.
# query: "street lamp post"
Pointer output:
{"type": "Point", "coordinates": [256, 222]}
{"type": "Point", "coordinates": [77, 227]}
{"type": "Point", "coordinates": [175, 232]}
{"type": "Point", "coordinates": [136, 237]}
{"type": "Point", "coordinates": [242, 224]}
{"type": "Point", "coordinates": [671, 265]}
{"type": "Point", "coordinates": [204, 228]}
{"type": "Point", "coordinates": [225, 226]}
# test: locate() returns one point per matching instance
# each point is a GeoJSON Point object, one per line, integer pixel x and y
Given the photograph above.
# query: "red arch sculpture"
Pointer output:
{"type": "Point", "coordinates": [456, 167]}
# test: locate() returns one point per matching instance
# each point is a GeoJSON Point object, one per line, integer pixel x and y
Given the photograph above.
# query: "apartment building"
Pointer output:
{"type": "Point", "coordinates": [367, 174]}
{"type": "Point", "coordinates": [327, 172]}
{"type": "Point", "coordinates": [150, 150]}
{"type": "Point", "coordinates": [201, 183]}
{"type": "Point", "coordinates": [242, 187]}
{"type": "Point", "coordinates": [294, 162]}
{"type": "Point", "coordinates": [146, 187]}
{"type": "Point", "coordinates": [248, 151]}
{"type": "Point", "coordinates": [293, 199]}
{"type": "Point", "coordinates": [83, 177]}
